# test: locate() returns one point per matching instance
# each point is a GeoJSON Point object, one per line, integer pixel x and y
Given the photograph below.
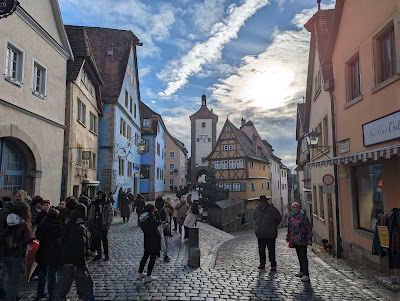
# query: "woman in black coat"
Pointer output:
{"type": "Point", "coordinates": [49, 253]}
{"type": "Point", "coordinates": [152, 240]}
{"type": "Point", "coordinates": [125, 208]}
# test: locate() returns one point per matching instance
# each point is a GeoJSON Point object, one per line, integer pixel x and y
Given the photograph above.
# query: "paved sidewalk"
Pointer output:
{"type": "Point", "coordinates": [228, 272]}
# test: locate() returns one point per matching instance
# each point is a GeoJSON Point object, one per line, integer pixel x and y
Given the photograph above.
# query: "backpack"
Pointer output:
{"type": "Point", "coordinates": [9, 240]}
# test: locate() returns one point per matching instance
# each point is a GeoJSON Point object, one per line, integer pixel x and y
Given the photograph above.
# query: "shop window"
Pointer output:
{"type": "Point", "coordinates": [369, 194]}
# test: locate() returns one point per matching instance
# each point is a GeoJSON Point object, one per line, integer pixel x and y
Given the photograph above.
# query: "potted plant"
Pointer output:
{"type": "Point", "coordinates": [324, 242]}
{"type": "Point", "coordinates": [329, 248]}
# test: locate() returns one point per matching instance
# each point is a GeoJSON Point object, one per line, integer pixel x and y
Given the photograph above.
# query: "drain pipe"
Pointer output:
{"type": "Point", "coordinates": [335, 170]}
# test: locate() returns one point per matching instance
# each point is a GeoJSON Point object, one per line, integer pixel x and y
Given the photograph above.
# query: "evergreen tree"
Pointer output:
{"type": "Point", "coordinates": [210, 192]}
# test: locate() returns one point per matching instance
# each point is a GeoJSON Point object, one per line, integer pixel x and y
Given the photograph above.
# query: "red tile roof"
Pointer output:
{"type": "Point", "coordinates": [203, 111]}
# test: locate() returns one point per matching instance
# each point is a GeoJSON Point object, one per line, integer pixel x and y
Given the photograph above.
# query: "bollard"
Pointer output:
{"type": "Point", "coordinates": [194, 250]}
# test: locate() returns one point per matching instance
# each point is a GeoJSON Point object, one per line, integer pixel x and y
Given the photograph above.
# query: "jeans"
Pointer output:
{"type": "Point", "coordinates": [48, 272]}
{"type": "Point", "coordinates": [303, 260]}
{"type": "Point", "coordinates": [270, 244]}
{"type": "Point", "coordinates": [166, 238]}
{"type": "Point", "coordinates": [104, 239]}
{"type": "Point", "coordinates": [152, 261]}
{"type": "Point", "coordinates": [69, 274]}
{"type": "Point", "coordinates": [14, 269]}
{"type": "Point", "coordinates": [89, 296]}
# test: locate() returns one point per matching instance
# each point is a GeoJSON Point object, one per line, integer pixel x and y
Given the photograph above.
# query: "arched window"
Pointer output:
{"type": "Point", "coordinates": [12, 166]}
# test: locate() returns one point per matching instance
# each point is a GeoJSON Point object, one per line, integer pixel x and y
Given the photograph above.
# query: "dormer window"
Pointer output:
{"type": "Point", "coordinates": [228, 128]}
{"type": "Point", "coordinates": [146, 123]}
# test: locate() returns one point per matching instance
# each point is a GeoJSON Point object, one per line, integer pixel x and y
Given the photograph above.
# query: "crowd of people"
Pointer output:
{"type": "Point", "coordinates": [74, 231]}
{"type": "Point", "coordinates": [62, 238]}
{"type": "Point", "coordinates": [68, 235]}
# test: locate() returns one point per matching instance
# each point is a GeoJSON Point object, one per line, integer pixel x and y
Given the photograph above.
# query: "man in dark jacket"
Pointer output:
{"type": "Point", "coordinates": [159, 203]}
{"type": "Point", "coordinates": [139, 205]}
{"type": "Point", "coordinates": [266, 221]}
{"type": "Point", "coordinates": [75, 246]}
{"type": "Point", "coordinates": [99, 219]}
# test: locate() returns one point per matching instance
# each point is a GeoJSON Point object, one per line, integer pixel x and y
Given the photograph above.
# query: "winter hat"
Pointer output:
{"type": "Point", "coordinates": [13, 219]}
{"type": "Point", "coordinates": [80, 211]}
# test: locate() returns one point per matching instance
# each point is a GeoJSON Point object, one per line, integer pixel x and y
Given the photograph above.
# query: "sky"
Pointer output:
{"type": "Point", "coordinates": [248, 56]}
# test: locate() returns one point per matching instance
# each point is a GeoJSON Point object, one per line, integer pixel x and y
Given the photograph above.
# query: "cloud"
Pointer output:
{"type": "Point", "coordinates": [178, 72]}
{"type": "Point", "coordinates": [148, 24]}
{"type": "Point", "coordinates": [144, 71]}
{"type": "Point", "coordinates": [206, 14]}
{"type": "Point", "coordinates": [266, 88]}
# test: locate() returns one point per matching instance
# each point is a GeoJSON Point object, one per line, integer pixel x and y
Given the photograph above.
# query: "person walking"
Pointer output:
{"type": "Point", "coordinates": [191, 217]}
{"type": "Point", "coordinates": [165, 215]}
{"type": "Point", "coordinates": [99, 220]}
{"type": "Point", "coordinates": [75, 242]}
{"type": "Point", "coordinates": [299, 235]}
{"type": "Point", "coordinates": [139, 205]}
{"type": "Point", "coordinates": [126, 208]}
{"type": "Point", "coordinates": [14, 238]}
{"type": "Point", "coordinates": [182, 209]}
{"type": "Point", "coordinates": [175, 203]}
{"type": "Point", "coordinates": [48, 256]}
{"type": "Point", "coordinates": [152, 241]}
{"type": "Point", "coordinates": [266, 221]}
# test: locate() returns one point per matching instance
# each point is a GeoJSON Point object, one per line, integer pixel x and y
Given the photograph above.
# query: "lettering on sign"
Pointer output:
{"type": "Point", "coordinates": [328, 189]}
{"type": "Point", "coordinates": [344, 146]}
{"type": "Point", "coordinates": [383, 129]}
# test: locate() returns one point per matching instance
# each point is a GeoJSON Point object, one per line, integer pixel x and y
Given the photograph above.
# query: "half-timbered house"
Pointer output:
{"type": "Point", "coordinates": [240, 166]}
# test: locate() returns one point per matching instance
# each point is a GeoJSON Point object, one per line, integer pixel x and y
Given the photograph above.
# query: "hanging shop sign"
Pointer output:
{"type": "Point", "coordinates": [344, 146]}
{"type": "Point", "coordinates": [7, 7]}
{"type": "Point", "coordinates": [383, 129]}
{"type": "Point", "coordinates": [383, 236]}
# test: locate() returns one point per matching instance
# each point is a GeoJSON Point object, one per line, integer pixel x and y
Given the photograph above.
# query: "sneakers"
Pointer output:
{"type": "Point", "coordinates": [273, 269]}
{"type": "Point", "coordinates": [167, 259]}
{"type": "Point", "coordinates": [261, 267]}
{"type": "Point", "coordinates": [305, 278]}
{"type": "Point", "coordinates": [299, 275]}
{"type": "Point", "coordinates": [141, 275]}
{"type": "Point", "coordinates": [96, 258]}
{"type": "Point", "coordinates": [149, 279]}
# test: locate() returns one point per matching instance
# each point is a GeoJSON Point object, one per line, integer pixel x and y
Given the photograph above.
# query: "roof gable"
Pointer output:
{"type": "Point", "coordinates": [111, 49]}
{"type": "Point", "coordinates": [47, 15]}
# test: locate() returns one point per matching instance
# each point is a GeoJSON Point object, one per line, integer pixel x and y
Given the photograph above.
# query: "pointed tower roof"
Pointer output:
{"type": "Point", "coordinates": [203, 111]}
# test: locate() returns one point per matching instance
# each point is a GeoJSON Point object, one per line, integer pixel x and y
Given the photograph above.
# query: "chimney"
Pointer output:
{"type": "Point", "coordinates": [254, 142]}
{"type": "Point", "coordinates": [319, 4]}
{"type": "Point", "coordinates": [243, 122]}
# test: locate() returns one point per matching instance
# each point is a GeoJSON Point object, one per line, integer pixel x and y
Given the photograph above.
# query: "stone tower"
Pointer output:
{"type": "Point", "coordinates": [203, 138]}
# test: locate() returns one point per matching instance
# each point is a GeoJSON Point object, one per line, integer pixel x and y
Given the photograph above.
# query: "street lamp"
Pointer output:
{"type": "Point", "coordinates": [312, 139]}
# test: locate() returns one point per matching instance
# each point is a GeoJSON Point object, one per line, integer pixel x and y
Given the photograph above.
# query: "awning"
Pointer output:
{"type": "Point", "coordinates": [385, 152]}
{"type": "Point", "coordinates": [91, 183]}
{"type": "Point", "coordinates": [306, 190]}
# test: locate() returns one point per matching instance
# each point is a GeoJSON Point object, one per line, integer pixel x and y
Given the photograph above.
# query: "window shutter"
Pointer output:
{"type": "Point", "coordinates": [242, 186]}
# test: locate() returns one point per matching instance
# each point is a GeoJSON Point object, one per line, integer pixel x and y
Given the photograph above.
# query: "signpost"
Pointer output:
{"type": "Point", "coordinates": [328, 179]}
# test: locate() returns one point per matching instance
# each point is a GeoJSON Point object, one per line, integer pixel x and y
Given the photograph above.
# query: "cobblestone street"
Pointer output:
{"type": "Point", "coordinates": [228, 272]}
